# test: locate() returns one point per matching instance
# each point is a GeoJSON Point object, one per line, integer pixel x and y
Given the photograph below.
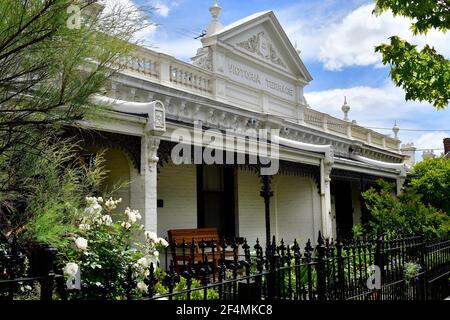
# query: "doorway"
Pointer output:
{"type": "Point", "coordinates": [216, 199]}
{"type": "Point", "coordinates": [342, 191]}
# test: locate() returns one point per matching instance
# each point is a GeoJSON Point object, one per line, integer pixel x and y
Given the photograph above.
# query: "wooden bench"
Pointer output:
{"type": "Point", "coordinates": [208, 235]}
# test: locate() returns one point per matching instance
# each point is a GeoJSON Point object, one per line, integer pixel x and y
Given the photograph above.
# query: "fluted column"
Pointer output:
{"type": "Point", "coordinates": [326, 166]}
{"type": "Point", "coordinates": [150, 145]}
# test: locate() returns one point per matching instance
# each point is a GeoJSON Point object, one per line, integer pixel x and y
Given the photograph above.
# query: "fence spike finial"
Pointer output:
{"type": "Point", "coordinates": [320, 238]}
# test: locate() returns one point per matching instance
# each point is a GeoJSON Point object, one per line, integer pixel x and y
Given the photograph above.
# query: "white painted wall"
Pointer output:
{"type": "Point", "coordinates": [177, 187]}
{"type": "Point", "coordinates": [298, 209]}
{"type": "Point", "coordinates": [251, 215]}
{"type": "Point", "coordinates": [119, 170]}
{"type": "Point", "coordinates": [295, 208]}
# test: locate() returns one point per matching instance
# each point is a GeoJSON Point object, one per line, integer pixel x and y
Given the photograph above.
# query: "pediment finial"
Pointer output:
{"type": "Point", "coordinates": [215, 25]}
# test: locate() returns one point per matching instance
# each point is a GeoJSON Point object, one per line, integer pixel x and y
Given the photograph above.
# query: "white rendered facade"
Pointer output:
{"type": "Point", "coordinates": [246, 75]}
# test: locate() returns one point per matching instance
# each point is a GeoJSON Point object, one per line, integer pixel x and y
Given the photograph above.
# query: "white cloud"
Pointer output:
{"type": "Point", "coordinates": [432, 140]}
{"type": "Point", "coordinates": [182, 48]}
{"type": "Point", "coordinates": [115, 7]}
{"type": "Point", "coordinates": [381, 107]}
{"type": "Point", "coordinates": [350, 40]}
{"type": "Point", "coordinates": [162, 9]}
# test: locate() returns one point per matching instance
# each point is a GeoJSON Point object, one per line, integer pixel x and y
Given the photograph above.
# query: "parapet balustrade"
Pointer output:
{"type": "Point", "coordinates": [161, 68]}
{"type": "Point", "coordinates": [316, 119]}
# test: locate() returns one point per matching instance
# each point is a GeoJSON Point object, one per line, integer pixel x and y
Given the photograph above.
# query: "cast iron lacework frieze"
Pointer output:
{"type": "Point", "coordinates": [286, 167]}
{"type": "Point", "coordinates": [344, 175]}
{"type": "Point", "coordinates": [260, 45]}
{"type": "Point", "coordinates": [130, 145]}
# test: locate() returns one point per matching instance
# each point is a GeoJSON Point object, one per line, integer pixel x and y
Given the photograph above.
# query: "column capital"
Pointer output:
{"type": "Point", "coordinates": [152, 146]}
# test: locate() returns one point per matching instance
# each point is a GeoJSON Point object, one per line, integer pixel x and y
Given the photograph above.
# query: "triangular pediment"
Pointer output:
{"type": "Point", "coordinates": [261, 38]}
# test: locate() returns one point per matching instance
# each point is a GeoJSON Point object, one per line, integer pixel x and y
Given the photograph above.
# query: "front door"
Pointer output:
{"type": "Point", "coordinates": [215, 190]}
{"type": "Point", "coordinates": [342, 191]}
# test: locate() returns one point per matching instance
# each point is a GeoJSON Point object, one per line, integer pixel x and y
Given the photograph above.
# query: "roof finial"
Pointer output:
{"type": "Point", "coordinates": [396, 129]}
{"type": "Point", "coordinates": [345, 108]}
{"type": "Point", "coordinates": [215, 25]}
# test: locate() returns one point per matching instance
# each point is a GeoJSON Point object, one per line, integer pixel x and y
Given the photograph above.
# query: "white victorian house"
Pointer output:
{"type": "Point", "coordinates": [247, 75]}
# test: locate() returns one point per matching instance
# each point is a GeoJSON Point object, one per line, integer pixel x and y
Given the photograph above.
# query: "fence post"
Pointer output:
{"type": "Point", "coordinates": [340, 269]}
{"type": "Point", "coordinates": [308, 253]}
{"type": "Point", "coordinates": [379, 261]}
{"type": "Point", "coordinates": [272, 256]}
{"type": "Point", "coordinates": [424, 278]}
{"type": "Point", "coordinates": [321, 272]}
{"type": "Point", "coordinates": [47, 283]}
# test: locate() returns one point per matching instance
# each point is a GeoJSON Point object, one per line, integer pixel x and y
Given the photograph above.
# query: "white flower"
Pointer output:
{"type": "Point", "coordinates": [106, 219]}
{"type": "Point", "coordinates": [126, 225]}
{"type": "Point", "coordinates": [156, 254]}
{"type": "Point", "coordinates": [151, 236]}
{"type": "Point", "coordinates": [91, 200]}
{"type": "Point", "coordinates": [142, 286]}
{"type": "Point", "coordinates": [111, 204]}
{"type": "Point", "coordinates": [133, 215]}
{"type": "Point", "coordinates": [94, 209]}
{"type": "Point", "coordinates": [81, 243]}
{"type": "Point", "coordinates": [143, 262]}
{"type": "Point", "coordinates": [153, 260]}
{"type": "Point", "coordinates": [71, 269]}
{"type": "Point", "coordinates": [163, 242]}
{"type": "Point", "coordinates": [84, 227]}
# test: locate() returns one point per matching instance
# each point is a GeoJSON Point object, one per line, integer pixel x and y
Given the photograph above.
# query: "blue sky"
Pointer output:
{"type": "Point", "coordinates": [336, 39]}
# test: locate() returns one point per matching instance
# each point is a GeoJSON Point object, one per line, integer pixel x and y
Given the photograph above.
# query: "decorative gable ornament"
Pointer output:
{"type": "Point", "coordinates": [260, 45]}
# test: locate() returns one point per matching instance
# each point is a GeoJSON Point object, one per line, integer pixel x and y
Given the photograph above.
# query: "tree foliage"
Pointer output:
{"type": "Point", "coordinates": [403, 214]}
{"type": "Point", "coordinates": [423, 74]}
{"type": "Point", "coordinates": [431, 179]}
{"type": "Point", "coordinates": [49, 67]}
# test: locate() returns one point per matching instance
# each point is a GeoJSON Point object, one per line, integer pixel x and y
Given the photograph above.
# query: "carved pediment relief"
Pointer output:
{"type": "Point", "coordinates": [260, 45]}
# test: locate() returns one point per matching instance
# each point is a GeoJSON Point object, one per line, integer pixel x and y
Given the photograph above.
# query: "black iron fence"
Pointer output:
{"type": "Point", "coordinates": [31, 275]}
{"type": "Point", "coordinates": [409, 268]}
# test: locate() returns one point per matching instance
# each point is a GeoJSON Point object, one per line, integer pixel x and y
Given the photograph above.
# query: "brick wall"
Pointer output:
{"type": "Point", "coordinates": [298, 209]}
{"type": "Point", "coordinates": [177, 187]}
{"type": "Point", "coordinates": [295, 208]}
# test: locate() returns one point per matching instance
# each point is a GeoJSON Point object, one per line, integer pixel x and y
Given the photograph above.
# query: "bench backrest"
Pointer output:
{"type": "Point", "coordinates": [206, 234]}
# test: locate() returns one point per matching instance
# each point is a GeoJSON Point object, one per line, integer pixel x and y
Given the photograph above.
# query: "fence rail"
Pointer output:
{"type": "Point", "coordinates": [20, 273]}
{"type": "Point", "coordinates": [409, 268]}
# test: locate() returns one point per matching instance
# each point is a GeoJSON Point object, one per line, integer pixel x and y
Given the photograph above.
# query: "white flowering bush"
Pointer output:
{"type": "Point", "coordinates": [104, 248]}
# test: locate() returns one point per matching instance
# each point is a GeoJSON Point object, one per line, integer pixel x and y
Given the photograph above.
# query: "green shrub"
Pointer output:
{"type": "Point", "coordinates": [403, 214]}
{"type": "Point", "coordinates": [431, 179]}
{"type": "Point", "coordinates": [105, 247]}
